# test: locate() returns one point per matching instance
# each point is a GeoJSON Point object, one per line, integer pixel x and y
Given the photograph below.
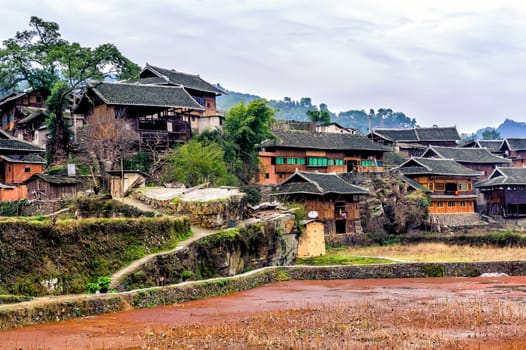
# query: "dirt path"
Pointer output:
{"type": "Point", "coordinates": [197, 233]}
{"type": "Point", "coordinates": [130, 329]}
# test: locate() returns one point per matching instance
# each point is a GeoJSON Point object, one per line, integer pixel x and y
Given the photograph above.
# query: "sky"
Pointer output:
{"type": "Point", "coordinates": [444, 63]}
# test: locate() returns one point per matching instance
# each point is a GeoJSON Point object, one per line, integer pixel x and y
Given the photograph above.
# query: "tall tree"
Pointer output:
{"type": "Point", "coordinates": [322, 117]}
{"type": "Point", "coordinates": [245, 127]}
{"type": "Point", "coordinates": [39, 58]}
{"type": "Point", "coordinates": [491, 134]}
{"type": "Point", "coordinates": [194, 163]}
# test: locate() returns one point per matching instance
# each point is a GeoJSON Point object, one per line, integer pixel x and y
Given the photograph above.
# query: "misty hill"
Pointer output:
{"type": "Point", "coordinates": [509, 128]}
{"type": "Point", "coordinates": [289, 109]}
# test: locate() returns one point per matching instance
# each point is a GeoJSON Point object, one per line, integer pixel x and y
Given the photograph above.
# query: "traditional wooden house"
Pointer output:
{"type": "Point", "coordinates": [479, 159]}
{"type": "Point", "coordinates": [505, 192]}
{"type": "Point", "coordinates": [492, 145]}
{"type": "Point", "coordinates": [450, 183]}
{"type": "Point", "coordinates": [19, 160]}
{"type": "Point", "coordinates": [314, 151]}
{"type": "Point", "coordinates": [49, 187]}
{"type": "Point", "coordinates": [514, 149]}
{"type": "Point", "coordinates": [21, 112]}
{"type": "Point", "coordinates": [160, 114]}
{"type": "Point", "coordinates": [201, 91]}
{"type": "Point", "coordinates": [326, 197]}
{"type": "Point", "coordinates": [413, 142]}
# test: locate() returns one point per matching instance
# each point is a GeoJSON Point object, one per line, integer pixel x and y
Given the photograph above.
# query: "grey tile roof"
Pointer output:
{"type": "Point", "coordinates": [10, 97]}
{"type": "Point", "coordinates": [465, 155]}
{"type": "Point", "coordinates": [30, 158]}
{"type": "Point", "coordinates": [4, 135]}
{"type": "Point", "coordinates": [317, 183]}
{"type": "Point", "coordinates": [56, 180]}
{"type": "Point", "coordinates": [14, 145]}
{"type": "Point", "coordinates": [325, 141]}
{"type": "Point", "coordinates": [415, 184]}
{"type": "Point", "coordinates": [190, 81]}
{"type": "Point", "coordinates": [503, 176]}
{"type": "Point", "coordinates": [418, 134]}
{"type": "Point", "coordinates": [491, 145]}
{"type": "Point", "coordinates": [434, 166]}
{"type": "Point", "coordinates": [514, 144]}
{"type": "Point", "coordinates": [7, 187]}
{"type": "Point", "coordinates": [145, 95]}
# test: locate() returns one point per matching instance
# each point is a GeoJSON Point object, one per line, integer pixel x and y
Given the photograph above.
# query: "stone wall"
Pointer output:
{"type": "Point", "coordinates": [63, 308]}
{"type": "Point", "coordinates": [211, 214]}
{"type": "Point", "coordinates": [272, 242]}
{"type": "Point", "coordinates": [37, 207]}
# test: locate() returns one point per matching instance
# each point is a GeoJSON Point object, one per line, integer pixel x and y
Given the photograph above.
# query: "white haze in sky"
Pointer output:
{"type": "Point", "coordinates": [449, 63]}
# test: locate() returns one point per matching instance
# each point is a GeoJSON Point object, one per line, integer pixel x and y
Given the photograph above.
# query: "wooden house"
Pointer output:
{"type": "Point", "coordinates": [19, 160]}
{"type": "Point", "coordinates": [479, 159]}
{"type": "Point", "coordinates": [413, 142]}
{"type": "Point", "coordinates": [326, 197]}
{"type": "Point", "coordinates": [160, 114]}
{"type": "Point", "coordinates": [123, 181]}
{"type": "Point", "coordinates": [204, 93]}
{"type": "Point", "coordinates": [505, 192]}
{"type": "Point", "coordinates": [492, 145]}
{"type": "Point", "coordinates": [49, 187]}
{"type": "Point", "coordinates": [19, 105]}
{"type": "Point", "coordinates": [316, 152]}
{"type": "Point", "coordinates": [450, 183]}
{"type": "Point", "coordinates": [514, 149]}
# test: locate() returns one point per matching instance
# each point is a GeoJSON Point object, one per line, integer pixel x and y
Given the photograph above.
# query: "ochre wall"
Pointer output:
{"type": "Point", "coordinates": [312, 241]}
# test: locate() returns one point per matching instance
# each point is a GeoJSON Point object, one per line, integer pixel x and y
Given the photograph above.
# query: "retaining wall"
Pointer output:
{"type": "Point", "coordinates": [62, 308]}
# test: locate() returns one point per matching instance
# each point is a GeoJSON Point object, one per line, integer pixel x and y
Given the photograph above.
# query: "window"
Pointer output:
{"type": "Point", "coordinates": [319, 162]}
{"type": "Point", "coordinates": [462, 204]}
{"type": "Point", "coordinates": [439, 186]}
{"type": "Point", "coordinates": [280, 160]}
{"type": "Point", "coordinates": [267, 175]}
{"type": "Point", "coordinates": [440, 204]}
{"type": "Point", "coordinates": [462, 187]}
{"type": "Point", "coordinates": [27, 169]}
{"type": "Point", "coordinates": [451, 204]}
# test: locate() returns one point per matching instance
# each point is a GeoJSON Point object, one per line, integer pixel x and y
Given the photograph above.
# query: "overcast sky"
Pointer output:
{"type": "Point", "coordinates": [442, 62]}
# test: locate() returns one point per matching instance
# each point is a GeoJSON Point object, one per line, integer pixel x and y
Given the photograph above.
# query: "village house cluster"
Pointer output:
{"type": "Point", "coordinates": [304, 161]}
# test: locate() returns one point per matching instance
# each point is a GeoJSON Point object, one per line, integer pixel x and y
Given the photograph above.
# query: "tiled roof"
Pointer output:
{"type": "Point", "coordinates": [12, 96]}
{"type": "Point", "coordinates": [325, 141]}
{"type": "Point", "coordinates": [465, 155]}
{"type": "Point", "coordinates": [6, 187]}
{"type": "Point", "coordinates": [491, 145]}
{"type": "Point", "coordinates": [30, 158]}
{"type": "Point", "coordinates": [418, 134]}
{"type": "Point", "coordinates": [57, 180]}
{"type": "Point", "coordinates": [145, 95]}
{"type": "Point", "coordinates": [4, 135]}
{"type": "Point", "coordinates": [317, 183]}
{"type": "Point", "coordinates": [17, 145]}
{"type": "Point", "coordinates": [190, 81]}
{"type": "Point", "coordinates": [32, 116]}
{"type": "Point", "coordinates": [434, 166]}
{"type": "Point", "coordinates": [514, 144]}
{"type": "Point", "coordinates": [415, 184]}
{"type": "Point", "coordinates": [505, 176]}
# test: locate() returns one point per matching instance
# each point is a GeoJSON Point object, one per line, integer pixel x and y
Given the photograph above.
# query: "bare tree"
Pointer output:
{"type": "Point", "coordinates": [110, 137]}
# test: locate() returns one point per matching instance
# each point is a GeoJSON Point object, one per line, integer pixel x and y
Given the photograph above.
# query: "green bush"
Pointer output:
{"type": "Point", "coordinates": [253, 194]}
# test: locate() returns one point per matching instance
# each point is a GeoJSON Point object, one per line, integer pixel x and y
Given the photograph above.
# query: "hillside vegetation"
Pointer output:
{"type": "Point", "coordinates": [47, 257]}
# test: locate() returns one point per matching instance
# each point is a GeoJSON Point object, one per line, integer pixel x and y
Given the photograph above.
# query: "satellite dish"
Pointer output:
{"type": "Point", "coordinates": [312, 214]}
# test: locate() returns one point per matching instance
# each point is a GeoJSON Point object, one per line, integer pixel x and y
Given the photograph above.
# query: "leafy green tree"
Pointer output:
{"type": "Point", "coordinates": [245, 127]}
{"type": "Point", "coordinates": [322, 117]}
{"type": "Point", "coordinates": [195, 163]}
{"type": "Point", "coordinates": [491, 134]}
{"type": "Point", "coordinates": [39, 58]}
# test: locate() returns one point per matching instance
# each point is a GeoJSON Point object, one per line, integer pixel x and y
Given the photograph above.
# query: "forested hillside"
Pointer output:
{"type": "Point", "coordinates": [289, 109]}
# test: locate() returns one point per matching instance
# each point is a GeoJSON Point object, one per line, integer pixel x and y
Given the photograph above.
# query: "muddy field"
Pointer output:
{"type": "Point", "coordinates": [440, 313]}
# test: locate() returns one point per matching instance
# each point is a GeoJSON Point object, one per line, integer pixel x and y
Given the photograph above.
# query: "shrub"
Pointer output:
{"type": "Point", "coordinates": [253, 194]}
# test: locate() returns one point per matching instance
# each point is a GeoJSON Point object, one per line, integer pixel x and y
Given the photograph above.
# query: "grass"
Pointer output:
{"type": "Point", "coordinates": [463, 323]}
{"type": "Point", "coordinates": [438, 252]}
{"type": "Point", "coordinates": [340, 258]}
